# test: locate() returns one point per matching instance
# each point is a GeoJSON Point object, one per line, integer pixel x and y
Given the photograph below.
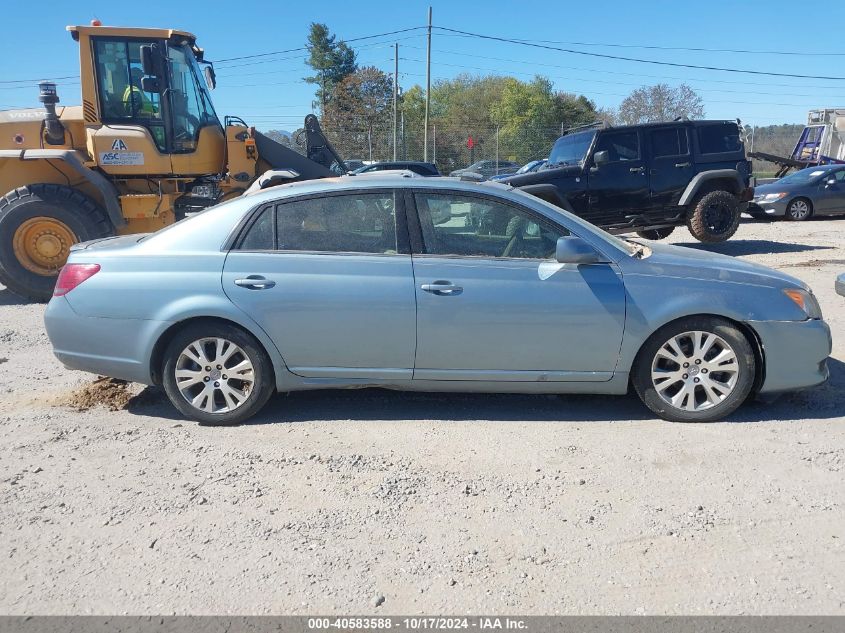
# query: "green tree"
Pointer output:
{"type": "Point", "coordinates": [359, 115]}
{"type": "Point", "coordinates": [330, 59]}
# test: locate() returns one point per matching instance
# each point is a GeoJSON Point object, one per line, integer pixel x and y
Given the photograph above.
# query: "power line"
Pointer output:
{"type": "Point", "coordinates": [304, 48]}
{"type": "Point", "coordinates": [628, 74]}
{"type": "Point", "coordinates": [697, 50]}
{"type": "Point", "coordinates": [23, 81]}
{"type": "Point", "coordinates": [633, 59]}
{"type": "Point", "coordinates": [618, 83]}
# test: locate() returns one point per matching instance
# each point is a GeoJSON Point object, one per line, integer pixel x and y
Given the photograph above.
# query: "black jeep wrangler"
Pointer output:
{"type": "Point", "coordinates": [649, 178]}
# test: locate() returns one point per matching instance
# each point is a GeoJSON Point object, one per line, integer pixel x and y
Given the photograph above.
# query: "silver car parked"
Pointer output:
{"type": "Point", "coordinates": [351, 283]}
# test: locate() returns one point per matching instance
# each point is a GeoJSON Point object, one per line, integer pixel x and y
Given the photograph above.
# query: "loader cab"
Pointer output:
{"type": "Point", "coordinates": [149, 98]}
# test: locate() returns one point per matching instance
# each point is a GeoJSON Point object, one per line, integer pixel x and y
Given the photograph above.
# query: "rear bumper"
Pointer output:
{"type": "Point", "coordinates": [795, 353]}
{"type": "Point", "coordinates": [117, 348]}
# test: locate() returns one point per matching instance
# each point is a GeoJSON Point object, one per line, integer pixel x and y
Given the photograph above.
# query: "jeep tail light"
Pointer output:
{"type": "Point", "coordinates": [72, 275]}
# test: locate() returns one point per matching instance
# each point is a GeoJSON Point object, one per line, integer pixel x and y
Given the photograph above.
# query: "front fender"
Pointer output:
{"type": "Point", "coordinates": [652, 305]}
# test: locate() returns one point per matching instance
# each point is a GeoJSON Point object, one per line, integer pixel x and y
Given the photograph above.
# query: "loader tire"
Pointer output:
{"type": "Point", "coordinates": [38, 225]}
{"type": "Point", "coordinates": [714, 216]}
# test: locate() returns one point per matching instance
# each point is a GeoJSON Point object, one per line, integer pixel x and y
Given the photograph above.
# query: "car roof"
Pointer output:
{"type": "Point", "coordinates": [823, 167]}
{"type": "Point", "coordinates": [640, 126]}
{"type": "Point", "coordinates": [374, 180]}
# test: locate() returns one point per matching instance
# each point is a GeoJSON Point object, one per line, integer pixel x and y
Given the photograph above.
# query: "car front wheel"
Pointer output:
{"type": "Point", "coordinates": [695, 370]}
{"type": "Point", "coordinates": [217, 374]}
{"type": "Point", "coordinates": [799, 210]}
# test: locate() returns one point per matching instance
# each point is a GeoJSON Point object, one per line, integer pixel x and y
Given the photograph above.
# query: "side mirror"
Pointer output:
{"type": "Point", "coordinates": [210, 77]}
{"type": "Point", "coordinates": [574, 250]}
{"type": "Point", "coordinates": [601, 158]}
{"type": "Point", "coordinates": [150, 84]}
{"type": "Point", "coordinates": [147, 63]}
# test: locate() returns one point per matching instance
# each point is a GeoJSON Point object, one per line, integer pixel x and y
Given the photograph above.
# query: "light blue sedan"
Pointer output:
{"type": "Point", "coordinates": [351, 283]}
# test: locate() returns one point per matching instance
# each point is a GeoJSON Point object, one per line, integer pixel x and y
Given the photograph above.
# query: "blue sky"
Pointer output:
{"type": "Point", "coordinates": [271, 94]}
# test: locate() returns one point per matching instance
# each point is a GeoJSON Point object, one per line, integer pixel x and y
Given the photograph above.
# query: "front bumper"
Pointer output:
{"type": "Point", "coordinates": [795, 353]}
{"type": "Point", "coordinates": [117, 348]}
{"type": "Point", "coordinates": [774, 209]}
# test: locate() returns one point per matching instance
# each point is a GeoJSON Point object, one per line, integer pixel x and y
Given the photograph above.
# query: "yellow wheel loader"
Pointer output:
{"type": "Point", "coordinates": [144, 148]}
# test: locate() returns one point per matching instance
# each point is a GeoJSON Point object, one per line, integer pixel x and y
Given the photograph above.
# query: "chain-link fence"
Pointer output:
{"type": "Point", "coordinates": [450, 147]}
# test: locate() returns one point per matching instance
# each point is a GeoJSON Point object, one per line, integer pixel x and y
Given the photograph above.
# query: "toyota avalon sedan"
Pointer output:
{"type": "Point", "coordinates": [345, 283]}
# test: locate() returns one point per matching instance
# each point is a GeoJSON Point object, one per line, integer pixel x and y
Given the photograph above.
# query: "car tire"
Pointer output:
{"type": "Point", "coordinates": [718, 376]}
{"type": "Point", "coordinates": [656, 234]}
{"type": "Point", "coordinates": [714, 216]}
{"type": "Point", "coordinates": [38, 225]}
{"type": "Point", "coordinates": [217, 392]}
{"type": "Point", "coordinates": [799, 209]}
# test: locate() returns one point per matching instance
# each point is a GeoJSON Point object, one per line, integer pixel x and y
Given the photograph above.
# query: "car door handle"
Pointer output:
{"type": "Point", "coordinates": [442, 288]}
{"type": "Point", "coordinates": [681, 165]}
{"type": "Point", "coordinates": [255, 282]}
{"type": "Point", "coordinates": [637, 170]}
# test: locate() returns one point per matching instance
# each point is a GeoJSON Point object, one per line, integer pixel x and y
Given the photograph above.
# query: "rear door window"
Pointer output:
{"type": "Point", "coordinates": [719, 138]}
{"type": "Point", "coordinates": [260, 235]}
{"type": "Point", "coordinates": [669, 142]}
{"type": "Point", "coordinates": [349, 223]}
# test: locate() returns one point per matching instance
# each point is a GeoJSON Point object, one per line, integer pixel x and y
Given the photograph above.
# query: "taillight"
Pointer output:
{"type": "Point", "coordinates": [72, 275]}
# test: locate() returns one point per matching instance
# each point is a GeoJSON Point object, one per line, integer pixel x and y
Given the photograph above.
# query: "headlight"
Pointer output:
{"type": "Point", "coordinates": [806, 301]}
{"type": "Point", "coordinates": [772, 197]}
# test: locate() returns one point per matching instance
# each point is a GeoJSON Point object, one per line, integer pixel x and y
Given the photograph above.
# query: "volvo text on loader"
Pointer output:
{"type": "Point", "coordinates": [144, 148]}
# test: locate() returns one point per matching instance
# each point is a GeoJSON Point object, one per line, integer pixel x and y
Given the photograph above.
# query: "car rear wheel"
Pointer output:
{"type": "Point", "coordinates": [217, 374]}
{"type": "Point", "coordinates": [799, 210]}
{"type": "Point", "coordinates": [656, 234]}
{"type": "Point", "coordinates": [714, 216]}
{"type": "Point", "coordinates": [695, 370]}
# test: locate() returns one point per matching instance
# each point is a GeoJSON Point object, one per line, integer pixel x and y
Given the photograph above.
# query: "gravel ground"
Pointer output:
{"type": "Point", "coordinates": [373, 501]}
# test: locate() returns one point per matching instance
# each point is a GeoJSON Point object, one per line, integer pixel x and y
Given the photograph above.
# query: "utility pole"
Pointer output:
{"type": "Point", "coordinates": [427, 88]}
{"type": "Point", "coordinates": [497, 149]}
{"type": "Point", "coordinates": [395, 100]}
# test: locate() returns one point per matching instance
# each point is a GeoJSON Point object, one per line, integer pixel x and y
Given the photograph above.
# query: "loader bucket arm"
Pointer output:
{"type": "Point", "coordinates": [277, 156]}
{"type": "Point", "coordinates": [320, 150]}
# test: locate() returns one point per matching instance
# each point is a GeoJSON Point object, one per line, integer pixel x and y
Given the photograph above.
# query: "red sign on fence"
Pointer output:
{"type": "Point", "coordinates": [470, 143]}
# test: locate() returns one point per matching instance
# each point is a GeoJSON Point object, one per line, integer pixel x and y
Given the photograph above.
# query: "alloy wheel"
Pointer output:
{"type": "Point", "coordinates": [695, 371]}
{"type": "Point", "coordinates": [799, 209]}
{"type": "Point", "coordinates": [214, 375]}
{"type": "Point", "coordinates": [718, 218]}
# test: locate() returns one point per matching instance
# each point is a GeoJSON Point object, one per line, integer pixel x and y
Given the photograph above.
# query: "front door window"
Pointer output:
{"type": "Point", "coordinates": [471, 226]}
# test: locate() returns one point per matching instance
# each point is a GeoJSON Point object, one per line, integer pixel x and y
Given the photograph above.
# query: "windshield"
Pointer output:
{"type": "Point", "coordinates": [530, 166]}
{"type": "Point", "coordinates": [571, 149]}
{"type": "Point", "coordinates": [802, 177]}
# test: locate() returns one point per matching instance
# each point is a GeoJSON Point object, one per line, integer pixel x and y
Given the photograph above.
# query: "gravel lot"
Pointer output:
{"type": "Point", "coordinates": [372, 501]}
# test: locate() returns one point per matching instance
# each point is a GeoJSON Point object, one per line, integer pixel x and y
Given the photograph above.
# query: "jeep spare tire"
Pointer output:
{"type": "Point", "coordinates": [714, 216]}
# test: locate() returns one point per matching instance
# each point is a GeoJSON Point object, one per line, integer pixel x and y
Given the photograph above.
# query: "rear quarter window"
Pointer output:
{"type": "Point", "coordinates": [719, 139]}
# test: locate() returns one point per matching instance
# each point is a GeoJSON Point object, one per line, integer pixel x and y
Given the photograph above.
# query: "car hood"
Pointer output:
{"type": "Point", "coordinates": [693, 263]}
{"type": "Point", "coordinates": [546, 174]}
{"type": "Point", "coordinates": [772, 187]}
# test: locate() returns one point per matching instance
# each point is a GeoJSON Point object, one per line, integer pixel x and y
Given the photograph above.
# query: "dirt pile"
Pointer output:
{"type": "Point", "coordinates": [111, 393]}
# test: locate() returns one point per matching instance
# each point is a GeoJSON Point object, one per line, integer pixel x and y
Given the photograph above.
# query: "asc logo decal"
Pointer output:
{"type": "Point", "coordinates": [119, 156]}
